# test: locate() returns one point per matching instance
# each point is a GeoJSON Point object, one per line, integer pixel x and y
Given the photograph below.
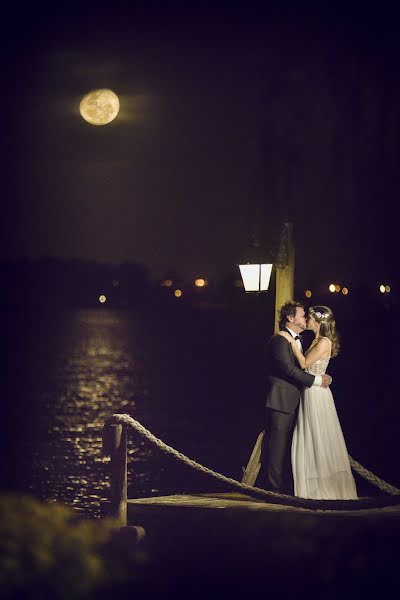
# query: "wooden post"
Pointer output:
{"type": "Point", "coordinates": [284, 271]}
{"type": "Point", "coordinates": [115, 445]}
{"type": "Point", "coordinates": [254, 465]}
{"type": "Point", "coordinates": [284, 293]}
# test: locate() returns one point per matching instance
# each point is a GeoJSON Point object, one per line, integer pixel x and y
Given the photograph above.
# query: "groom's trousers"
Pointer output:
{"type": "Point", "coordinates": [276, 455]}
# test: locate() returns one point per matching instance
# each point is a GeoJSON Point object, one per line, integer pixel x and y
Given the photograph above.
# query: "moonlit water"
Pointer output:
{"type": "Point", "coordinates": [82, 368]}
{"type": "Point", "coordinates": [184, 376]}
{"type": "Point", "coordinates": [95, 374]}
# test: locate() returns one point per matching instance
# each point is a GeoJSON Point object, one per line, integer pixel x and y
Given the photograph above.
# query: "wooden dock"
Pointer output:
{"type": "Point", "coordinates": [200, 516]}
{"type": "Point", "coordinates": [199, 512]}
{"type": "Point", "coordinates": [208, 545]}
{"type": "Point", "coordinates": [214, 544]}
{"type": "Point", "coordinates": [235, 503]}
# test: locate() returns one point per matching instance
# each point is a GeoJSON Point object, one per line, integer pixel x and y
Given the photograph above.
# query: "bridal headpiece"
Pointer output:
{"type": "Point", "coordinates": [321, 316]}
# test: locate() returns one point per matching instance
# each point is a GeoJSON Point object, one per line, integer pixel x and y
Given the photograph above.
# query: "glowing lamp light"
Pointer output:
{"type": "Point", "coordinates": [345, 291]}
{"type": "Point", "coordinates": [178, 293]}
{"type": "Point", "coordinates": [308, 293]}
{"type": "Point", "coordinates": [332, 287]}
{"type": "Point", "coordinates": [102, 299]}
{"type": "Point", "coordinates": [337, 288]}
{"type": "Point", "coordinates": [256, 277]}
{"type": "Point", "coordinates": [200, 283]}
{"type": "Point", "coordinates": [387, 288]}
{"type": "Point", "coordinates": [166, 283]}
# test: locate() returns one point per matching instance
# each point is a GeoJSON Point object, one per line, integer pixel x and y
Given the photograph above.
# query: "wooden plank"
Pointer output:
{"type": "Point", "coordinates": [191, 504]}
{"type": "Point", "coordinates": [205, 502]}
{"type": "Point", "coordinates": [254, 465]}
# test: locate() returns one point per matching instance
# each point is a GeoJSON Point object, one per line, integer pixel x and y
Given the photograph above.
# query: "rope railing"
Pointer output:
{"type": "Point", "coordinates": [266, 495]}
{"type": "Point", "coordinates": [372, 478]}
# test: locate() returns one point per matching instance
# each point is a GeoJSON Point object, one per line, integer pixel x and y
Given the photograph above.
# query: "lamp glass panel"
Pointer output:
{"type": "Point", "coordinates": [265, 277]}
{"type": "Point", "coordinates": [251, 277]}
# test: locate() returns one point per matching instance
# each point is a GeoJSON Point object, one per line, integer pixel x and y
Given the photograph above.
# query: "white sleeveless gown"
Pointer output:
{"type": "Point", "coordinates": [320, 463]}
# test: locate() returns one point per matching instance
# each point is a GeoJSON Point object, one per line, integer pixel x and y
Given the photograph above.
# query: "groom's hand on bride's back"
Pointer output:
{"type": "Point", "coordinates": [326, 380]}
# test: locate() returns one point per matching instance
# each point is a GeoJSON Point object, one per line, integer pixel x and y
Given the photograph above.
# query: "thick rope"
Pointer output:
{"type": "Point", "coordinates": [374, 479]}
{"type": "Point", "coordinates": [271, 497]}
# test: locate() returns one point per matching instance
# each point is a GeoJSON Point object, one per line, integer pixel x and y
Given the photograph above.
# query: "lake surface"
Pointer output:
{"type": "Point", "coordinates": [194, 377]}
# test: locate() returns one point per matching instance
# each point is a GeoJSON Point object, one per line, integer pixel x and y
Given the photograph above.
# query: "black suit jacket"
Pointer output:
{"type": "Point", "coordinates": [286, 379]}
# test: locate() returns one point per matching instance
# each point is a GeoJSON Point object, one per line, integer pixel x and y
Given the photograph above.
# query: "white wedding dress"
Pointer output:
{"type": "Point", "coordinates": [320, 463]}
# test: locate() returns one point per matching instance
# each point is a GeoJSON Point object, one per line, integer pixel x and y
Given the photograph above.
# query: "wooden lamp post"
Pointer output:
{"type": "Point", "coordinates": [254, 280]}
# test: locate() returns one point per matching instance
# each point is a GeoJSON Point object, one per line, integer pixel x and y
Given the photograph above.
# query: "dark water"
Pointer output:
{"type": "Point", "coordinates": [194, 377]}
{"type": "Point", "coordinates": [181, 373]}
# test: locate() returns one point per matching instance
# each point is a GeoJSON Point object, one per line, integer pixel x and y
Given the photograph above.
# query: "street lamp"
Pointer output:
{"type": "Point", "coordinates": [256, 275]}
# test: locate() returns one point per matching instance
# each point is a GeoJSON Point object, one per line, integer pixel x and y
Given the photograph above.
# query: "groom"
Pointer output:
{"type": "Point", "coordinates": [286, 381]}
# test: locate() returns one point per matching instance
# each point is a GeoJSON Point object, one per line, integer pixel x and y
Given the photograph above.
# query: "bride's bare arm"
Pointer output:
{"type": "Point", "coordinates": [321, 348]}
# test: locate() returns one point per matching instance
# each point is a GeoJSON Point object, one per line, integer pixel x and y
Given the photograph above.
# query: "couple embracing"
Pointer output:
{"type": "Point", "coordinates": [304, 444]}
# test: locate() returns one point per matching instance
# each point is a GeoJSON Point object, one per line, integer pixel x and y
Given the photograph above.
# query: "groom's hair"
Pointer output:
{"type": "Point", "coordinates": [288, 310]}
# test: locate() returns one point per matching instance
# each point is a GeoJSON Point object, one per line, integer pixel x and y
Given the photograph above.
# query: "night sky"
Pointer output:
{"type": "Point", "coordinates": [234, 118]}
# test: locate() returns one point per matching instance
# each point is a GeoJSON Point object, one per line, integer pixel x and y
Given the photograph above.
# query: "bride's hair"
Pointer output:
{"type": "Point", "coordinates": [324, 317]}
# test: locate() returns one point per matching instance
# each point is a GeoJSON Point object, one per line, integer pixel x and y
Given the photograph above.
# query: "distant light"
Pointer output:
{"type": "Point", "coordinates": [337, 288]}
{"type": "Point", "coordinates": [384, 289]}
{"type": "Point", "coordinates": [345, 291]}
{"type": "Point", "coordinates": [308, 293]}
{"type": "Point", "coordinates": [166, 283]}
{"type": "Point", "coordinates": [332, 288]}
{"type": "Point", "coordinates": [178, 293]}
{"type": "Point", "coordinates": [115, 283]}
{"type": "Point", "coordinates": [200, 282]}
{"type": "Point", "coordinates": [102, 299]}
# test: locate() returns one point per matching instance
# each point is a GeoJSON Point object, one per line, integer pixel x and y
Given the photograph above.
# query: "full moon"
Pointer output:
{"type": "Point", "coordinates": [99, 107]}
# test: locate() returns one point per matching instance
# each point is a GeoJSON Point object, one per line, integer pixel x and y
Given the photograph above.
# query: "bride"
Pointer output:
{"type": "Point", "coordinates": [320, 462]}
